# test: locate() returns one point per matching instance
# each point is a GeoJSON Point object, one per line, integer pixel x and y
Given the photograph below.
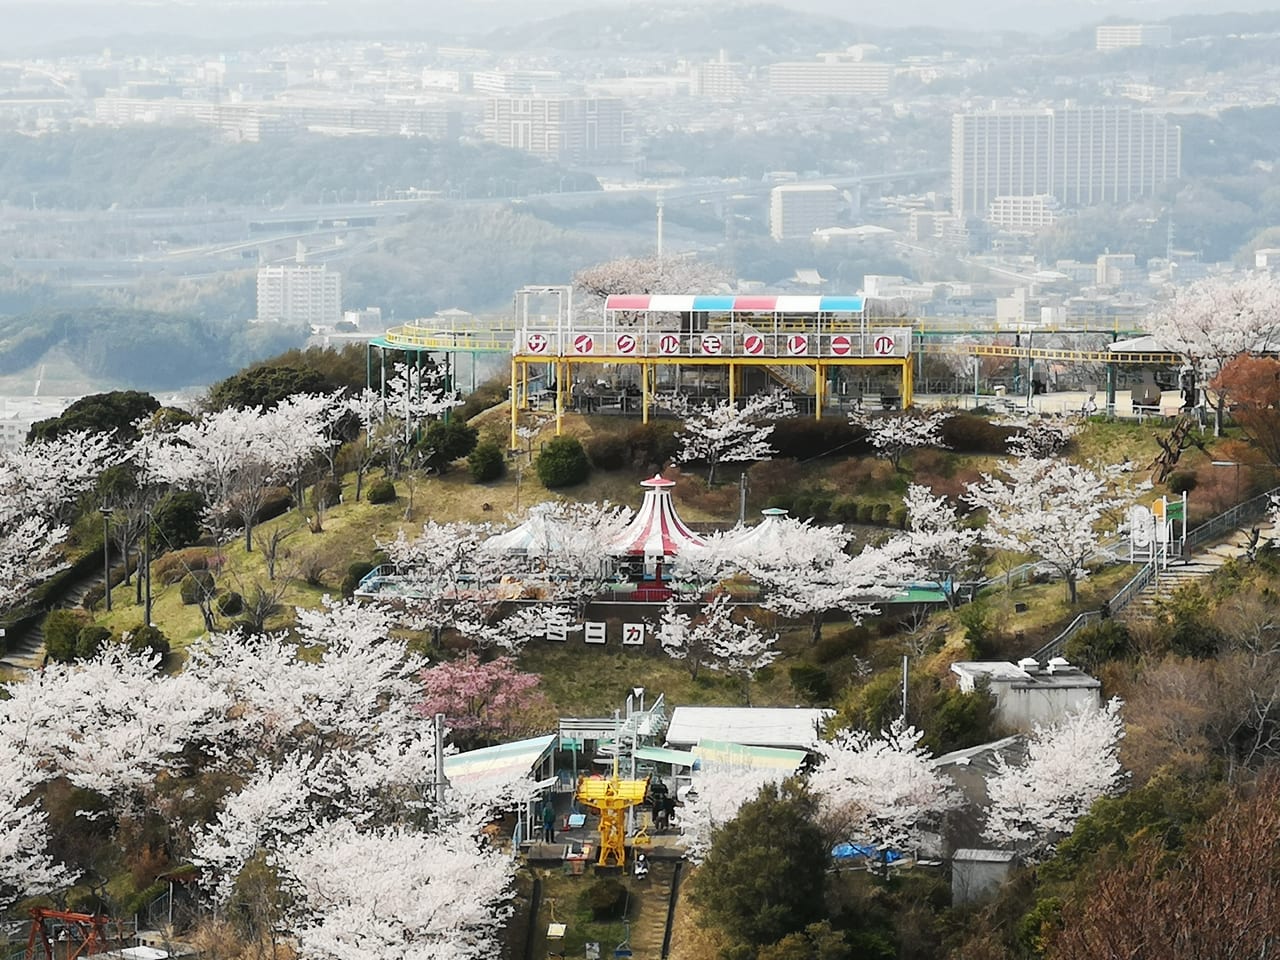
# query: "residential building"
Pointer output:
{"type": "Point", "coordinates": [796, 210]}
{"type": "Point", "coordinates": [307, 293]}
{"type": "Point", "coordinates": [1023, 213]}
{"type": "Point", "coordinates": [843, 74]}
{"type": "Point", "coordinates": [1078, 155]}
{"type": "Point", "coordinates": [719, 79]}
{"type": "Point", "coordinates": [1118, 36]}
{"type": "Point", "coordinates": [565, 129]}
{"type": "Point", "coordinates": [1118, 270]}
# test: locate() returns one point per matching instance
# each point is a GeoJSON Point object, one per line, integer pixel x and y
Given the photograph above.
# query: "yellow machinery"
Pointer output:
{"type": "Point", "coordinates": [611, 797]}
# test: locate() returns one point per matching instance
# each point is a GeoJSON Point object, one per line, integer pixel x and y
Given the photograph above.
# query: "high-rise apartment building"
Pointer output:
{"type": "Point", "coordinates": [566, 129]}
{"type": "Point", "coordinates": [719, 79]}
{"type": "Point", "coordinates": [308, 294]}
{"type": "Point", "coordinates": [1078, 155]}
{"type": "Point", "coordinates": [798, 209]}
{"type": "Point", "coordinates": [833, 75]}
{"type": "Point", "coordinates": [1118, 36]}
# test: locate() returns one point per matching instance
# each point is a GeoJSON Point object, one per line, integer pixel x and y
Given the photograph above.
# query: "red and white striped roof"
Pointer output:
{"type": "Point", "coordinates": [657, 532]}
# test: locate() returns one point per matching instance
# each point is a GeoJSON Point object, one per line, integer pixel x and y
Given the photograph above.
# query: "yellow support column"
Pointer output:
{"type": "Point", "coordinates": [515, 405]}
{"type": "Point", "coordinates": [733, 381]}
{"type": "Point", "coordinates": [644, 392]}
{"type": "Point", "coordinates": [560, 372]}
{"type": "Point", "coordinates": [819, 382]}
{"type": "Point", "coordinates": [908, 383]}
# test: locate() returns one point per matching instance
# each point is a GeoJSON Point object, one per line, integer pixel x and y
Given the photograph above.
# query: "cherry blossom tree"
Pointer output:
{"type": "Point", "coordinates": [717, 793]}
{"type": "Point", "coordinates": [883, 789]}
{"type": "Point", "coordinates": [639, 275]}
{"type": "Point", "coordinates": [1042, 437]}
{"type": "Point", "coordinates": [1051, 510]}
{"type": "Point", "coordinates": [730, 432]}
{"type": "Point", "coordinates": [397, 892]}
{"type": "Point", "coordinates": [804, 571]}
{"type": "Point", "coordinates": [1215, 320]}
{"type": "Point", "coordinates": [572, 555]}
{"type": "Point", "coordinates": [26, 869]}
{"type": "Point", "coordinates": [936, 541]}
{"type": "Point", "coordinates": [1069, 765]}
{"type": "Point", "coordinates": [893, 435]}
{"type": "Point", "coordinates": [713, 638]}
{"type": "Point", "coordinates": [484, 702]}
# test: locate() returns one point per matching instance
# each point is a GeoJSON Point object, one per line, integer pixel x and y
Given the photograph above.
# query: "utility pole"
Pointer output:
{"type": "Point", "coordinates": [742, 499]}
{"type": "Point", "coordinates": [660, 205]}
{"type": "Point", "coordinates": [905, 661]}
{"type": "Point", "coordinates": [106, 555]}
{"type": "Point", "coordinates": [146, 562]}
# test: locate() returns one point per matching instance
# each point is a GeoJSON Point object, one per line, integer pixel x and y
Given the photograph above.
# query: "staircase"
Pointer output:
{"type": "Point", "coordinates": [1192, 569]}
{"type": "Point", "coordinates": [26, 652]}
{"type": "Point", "coordinates": [799, 380]}
{"type": "Point", "coordinates": [649, 922]}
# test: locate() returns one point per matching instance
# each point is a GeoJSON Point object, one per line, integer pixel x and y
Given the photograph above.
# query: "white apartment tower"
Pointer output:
{"type": "Point", "coordinates": [1118, 36]}
{"type": "Point", "coordinates": [1078, 155]}
{"type": "Point", "coordinates": [843, 74]}
{"type": "Point", "coordinates": [798, 209]}
{"type": "Point", "coordinates": [308, 294]}
{"type": "Point", "coordinates": [565, 129]}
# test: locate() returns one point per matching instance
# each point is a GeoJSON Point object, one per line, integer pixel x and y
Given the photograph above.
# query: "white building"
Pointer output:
{"type": "Point", "coordinates": [1078, 155]}
{"type": "Point", "coordinates": [1023, 213]}
{"type": "Point", "coordinates": [843, 74]}
{"type": "Point", "coordinates": [719, 79]}
{"type": "Point", "coordinates": [796, 210]}
{"type": "Point", "coordinates": [567, 129]}
{"type": "Point", "coordinates": [300, 294]}
{"type": "Point", "coordinates": [1027, 694]}
{"type": "Point", "coordinates": [1118, 36]}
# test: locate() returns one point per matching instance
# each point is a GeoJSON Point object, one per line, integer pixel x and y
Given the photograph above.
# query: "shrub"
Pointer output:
{"type": "Point", "coordinates": [810, 682]}
{"type": "Point", "coordinates": [802, 506]}
{"type": "Point", "coordinates": [607, 899]}
{"type": "Point", "coordinates": [608, 451]}
{"type": "Point", "coordinates": [172, 567]}
{"type": "Point", "coordinates": [277, 501]}
{"type": "Point", "coordinates": [177, 519]}
{"type": "Point", "coordinates": [486, 395]}
{"type": "Point", "coordinates": [1181, 483]}
{"type": "Point", "coordinates": [355, 573]}
{"type": "Point", "coordinates": [844, 510]}
{"type": "Point", "coordinates": [898, 517]}
{"type": "Point", "coordinates": [327, 491]}
{"type": "Point", "coordinates": [196, 586]}
{"type": "Point", "coordinates": [966, 433]}
{"type": "Point", "coordinates": [486, 462]}
{"type": "Point", "coordinates": [880, 513]}
{"type": "Point", "coordinates": [770, 478]}
{"type": "Point", "coordinates": [146, 638]}
{"type": "Point", "coordinates": [90, 640]}
{"type": "Point", "coordinates": [653, 445]}
{"type": "Point", "coordinates": [562, 463]}
{"type": "Point", "coordinates": [833, 646]}
{"type": "Point", "coordinates": [804, 438]}
{"type": "Point", "coordinates": [230, 604]}
{"type": "Point", "coordinates": [447, 441]}
{"type": "Point", "coordinates": [1093, 646]}
{"type": "Point", "coordinates": [381, 491]}
{"type": "Point", "coordinates": [61, 631]}
{"type": "Point", "coordinates": [866, 514]}
{"type": "Point", "coordinates": [820, 508]}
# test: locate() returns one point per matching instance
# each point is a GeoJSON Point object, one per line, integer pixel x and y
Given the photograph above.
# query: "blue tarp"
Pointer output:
{"type": "Point", "coordinates": [850, 851]}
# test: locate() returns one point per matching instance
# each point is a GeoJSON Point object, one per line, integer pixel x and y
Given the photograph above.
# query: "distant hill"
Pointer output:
{"type": "Point", "coordinates": [748, 31]}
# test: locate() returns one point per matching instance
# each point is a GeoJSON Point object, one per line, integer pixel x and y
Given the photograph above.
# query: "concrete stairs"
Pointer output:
{"type": "Point", "coordinates": [1191, 569]}
{"type": "Point", "coordinates": [649, 920]}
{"type": "Point", "coordinates": [26, 652]}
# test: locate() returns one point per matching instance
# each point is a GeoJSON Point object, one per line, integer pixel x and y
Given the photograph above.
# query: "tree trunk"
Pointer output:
{"type": "Point", "coordinates": [359, 481]}
{"type": "Point", "coordinates": [248, 533]}
{"type": "Point", "coordinates": [816, 628]}
{"type": "Point", "coordinates": [711, 474]}
{"type": "Point", "coordinates": [1071, 588]}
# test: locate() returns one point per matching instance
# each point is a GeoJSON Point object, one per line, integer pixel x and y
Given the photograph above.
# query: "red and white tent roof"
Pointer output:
{"type": "Point", "coordinates": [657, 532]}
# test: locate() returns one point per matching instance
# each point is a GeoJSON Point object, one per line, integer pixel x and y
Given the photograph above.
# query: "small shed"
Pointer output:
{"type": "Point", "coordinates": [976, 874]}
{"type": "Point", "coordinates": [1027, 693]}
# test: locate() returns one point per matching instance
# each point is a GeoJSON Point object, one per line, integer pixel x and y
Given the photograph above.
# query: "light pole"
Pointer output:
{"type": "Point", "coordinates": [1230, 463]}
{"type": "Point", "coordinates": [106, 554]}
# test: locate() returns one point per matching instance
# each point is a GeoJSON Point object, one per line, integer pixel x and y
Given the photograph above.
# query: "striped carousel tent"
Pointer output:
{"type": "Point", "coordinates": [657, 534]}
{"type": "Point", "coordinates": [536, 537]}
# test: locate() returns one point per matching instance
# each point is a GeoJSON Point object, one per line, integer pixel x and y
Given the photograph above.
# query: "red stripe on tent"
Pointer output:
{"type": "Point", "coordinates": [619, 301]}
{"type": "Point", "coordinates": [765, 304]}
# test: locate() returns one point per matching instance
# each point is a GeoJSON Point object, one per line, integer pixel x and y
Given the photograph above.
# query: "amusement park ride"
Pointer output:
{"type": "Point", "coordinates": [612, 797]}
{"type": "Point", "coordinates": [88, 935]}
{"type": "Point", "coordinates": [804, 343]}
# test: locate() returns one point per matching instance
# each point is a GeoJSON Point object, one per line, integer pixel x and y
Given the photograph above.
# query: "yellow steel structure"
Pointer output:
{"type": "Point", "coordinates": [1053, 353]}
{"type": "Point", "coordinates": [562, 370]}
{"type": "Point", "coordinates": [612, 797]}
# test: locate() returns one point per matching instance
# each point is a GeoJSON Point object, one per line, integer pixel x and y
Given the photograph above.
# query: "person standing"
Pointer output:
{"type": "Point", "coordinates": [548, 821]}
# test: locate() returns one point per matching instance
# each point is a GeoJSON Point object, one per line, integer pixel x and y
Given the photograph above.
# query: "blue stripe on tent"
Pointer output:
{"type": "Point", "coordinates": [841, 304]}
{"type": "Point", "coordinates": [713, 303]}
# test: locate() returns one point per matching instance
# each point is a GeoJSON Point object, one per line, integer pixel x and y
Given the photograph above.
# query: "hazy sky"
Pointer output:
{"type": "Point", "coordinates": [30, 24]}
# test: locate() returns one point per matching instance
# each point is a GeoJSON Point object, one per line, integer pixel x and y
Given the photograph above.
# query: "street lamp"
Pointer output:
{"type": "Point", "coordinates": [1230, 463]}
{"type": "Point", "coordinates": [106, 554]}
